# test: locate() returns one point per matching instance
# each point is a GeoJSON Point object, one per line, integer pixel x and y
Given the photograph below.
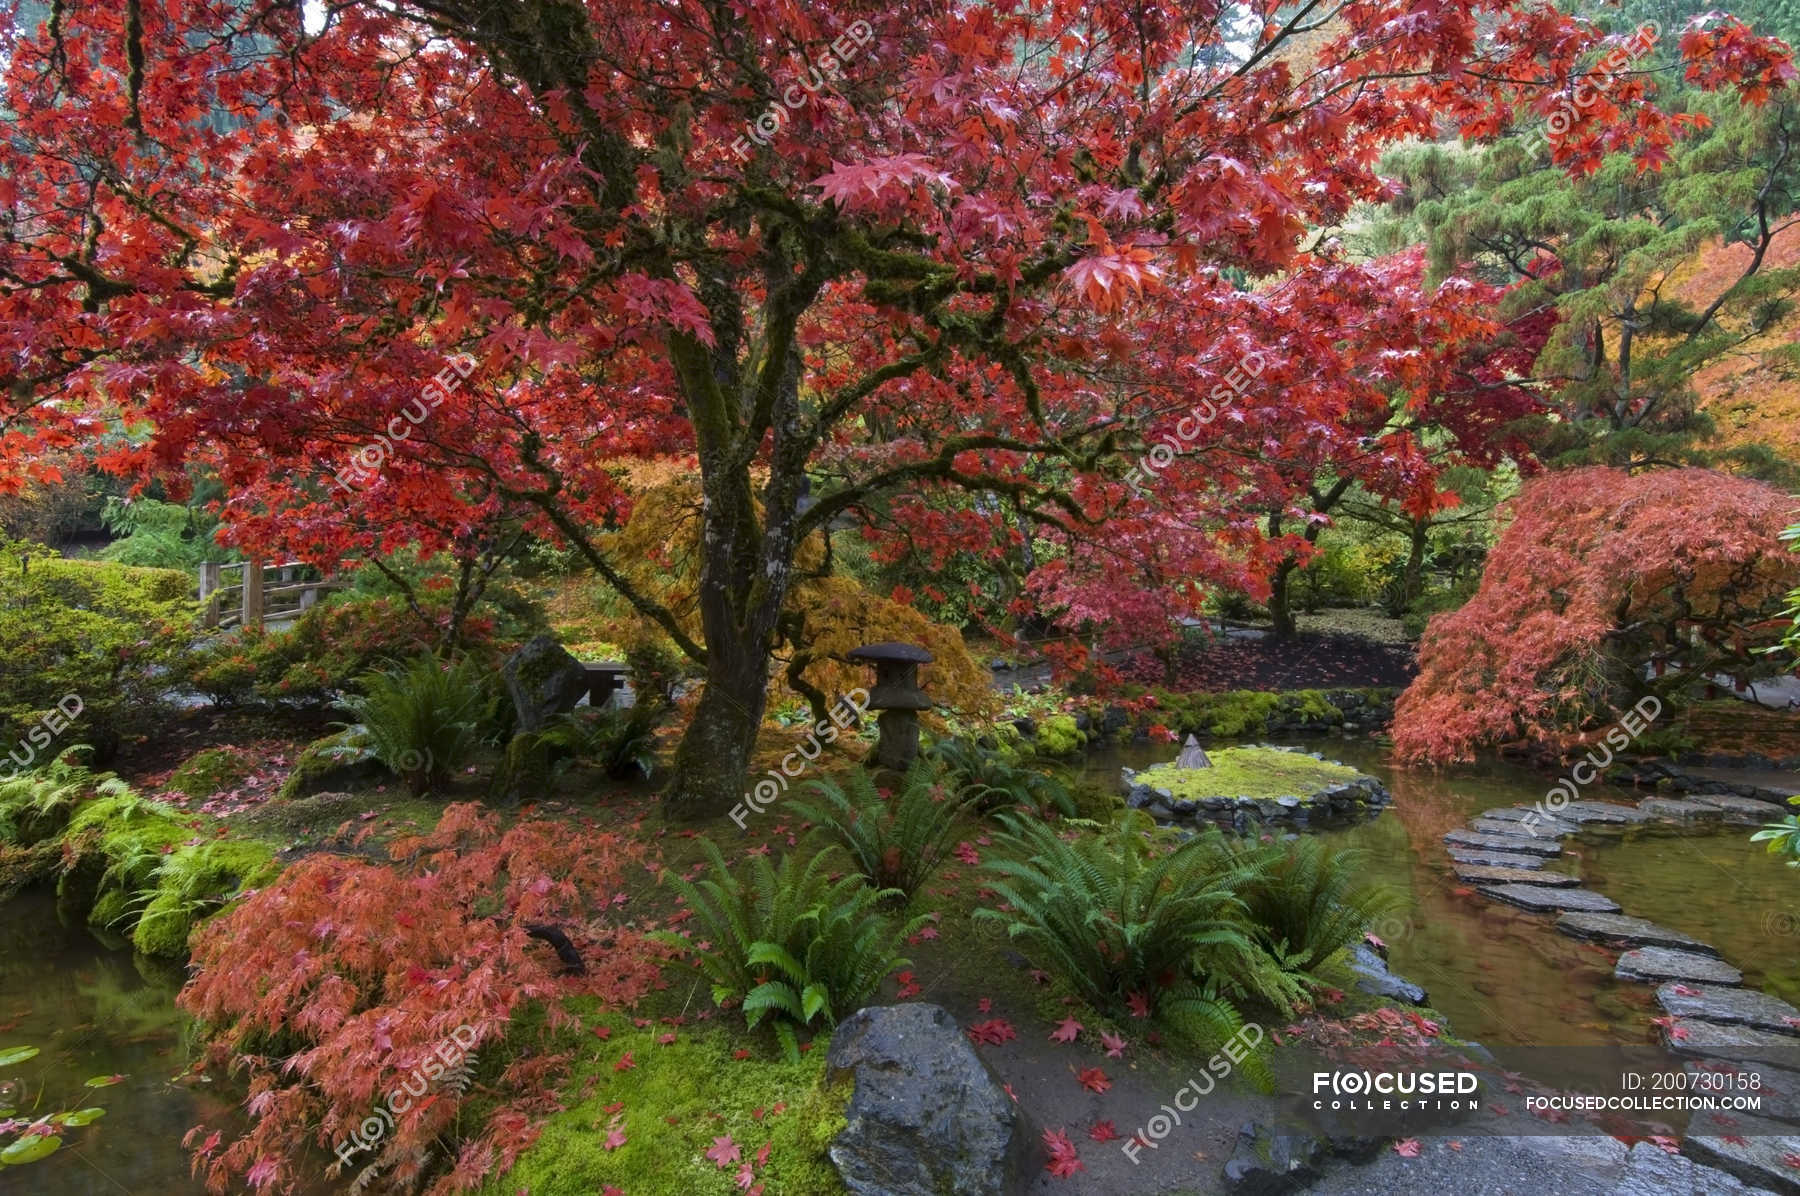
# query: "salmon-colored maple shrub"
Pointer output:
{"type": "Point", "coordinates": [1604, 586]}
{"type": "Point", "coordinates": [331, 986]}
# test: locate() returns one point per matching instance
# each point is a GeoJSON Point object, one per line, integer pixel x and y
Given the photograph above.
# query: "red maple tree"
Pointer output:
{"type": "Point", "coordinates": [866, 248]}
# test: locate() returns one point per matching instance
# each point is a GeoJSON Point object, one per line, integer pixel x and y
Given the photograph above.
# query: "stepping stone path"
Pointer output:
{"type": "Point", "coordinates": [1523, 844]}
{"type": "Point", "coordinates": [1732, 1007]}
{"type": "Point", "coordinates": [1491, 874]}
{"type": "Point", "coordinates": [1544, 899]}
{"type": "Point", "coordinates": [1655, 964]}
{"type": "Point", "coordinates": [1623, 931]}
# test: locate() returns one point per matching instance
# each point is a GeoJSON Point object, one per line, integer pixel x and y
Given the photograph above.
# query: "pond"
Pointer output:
{"type": "Point", "coordinates": [1505, 976]}
{"type": "Point", "coordinates": [92, 1013]}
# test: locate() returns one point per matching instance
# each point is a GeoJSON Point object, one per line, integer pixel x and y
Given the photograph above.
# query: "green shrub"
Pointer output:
{"type": "Point", "coordinates": [1058, 735]}
{"type": "Point", "coordinates": [1303, 898]}
{"type": "Point", "coordinates": [159, 535]}
{"type": "Point", "coordinates": [988, 780]}
{"type": "Point", "coordinates": [106, 633]}
{"type": "Point", "coordinates": [896, 843]}
{"type": "Point", "coordinates": [425, 719]}
{"type": "Point", "coordinates": [789, 943]}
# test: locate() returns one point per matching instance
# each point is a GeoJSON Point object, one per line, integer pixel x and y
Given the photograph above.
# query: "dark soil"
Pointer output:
{"type": "Point", "coordinates": [1304, 662]}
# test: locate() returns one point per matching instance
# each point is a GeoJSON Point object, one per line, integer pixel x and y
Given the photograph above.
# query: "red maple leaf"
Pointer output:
{"type": "Point", "coordinates": [992, 1032]}
{"type": "Point", "coordinates": [1067, 1030]}
{"type": "Point", "coordinates": [1093, 1079]}
{"type": "Point", "coordinates": [724, 1152]}
{"type": "Point", "coordinates": [1064, 1161]}
{"type": "Point", "coordinates": [1115, 1045]}
{"type": "Point", "coordinates": [1407, 1148]}
{"type": "Point", "coordinates": [1103, 1131]}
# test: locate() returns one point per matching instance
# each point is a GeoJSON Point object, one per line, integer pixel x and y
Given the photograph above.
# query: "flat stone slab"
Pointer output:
{"type": "Point", "coordinates": [1495, 859]}
{"type": "Point", "coordinates": [1489, 874]}
{"type": "Point", "coordinates": [1759, 1159]}
{"type": "Point", "coordinates": [1680, 809]}
{"type": "Point", "coordinates": [1730, 1006]}
{"type": "Point", "coordinates": [1740, 811]}
{"type": "Point", "coordinates": [1715, 1040]}
{"type": "Point", "coordinates": [1656, 964]}
{"type": "Point", "coordinates": [1519, 843]}
{"type": "Point", "coordinates": [1625, 931]}
{"type": "Point", "coordinates": [1544, 899]}
{"type": "Point", "coordinates": [1602, 812]}
{"type": "Point", "coordinates": [1544, 830]}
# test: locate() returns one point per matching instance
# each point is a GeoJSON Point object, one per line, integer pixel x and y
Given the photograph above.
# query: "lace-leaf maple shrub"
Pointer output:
{"type": "Point", "coordinates": [330, 987]}
{"type": "Point", "coordinates": [1605, 586]}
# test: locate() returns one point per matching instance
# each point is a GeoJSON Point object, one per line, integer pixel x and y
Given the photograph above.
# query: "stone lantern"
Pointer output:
{"type": "Point", "coordinates": [899, 699]}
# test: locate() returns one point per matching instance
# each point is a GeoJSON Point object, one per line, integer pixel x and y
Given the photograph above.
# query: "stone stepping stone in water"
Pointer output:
{"type": "Point", "coordinates": [1758, 1158]}
{"type": "Point", "coordinates": [1714, 1040]}
{"type": "Point", "coordinates": [1546, 830]}
{"type": "Point", "coordinates": [1543, 899]}
{"type": "Point", "coordinates": [1489, 874]}
{"type": "Point", "coordinates": [1740, 811]}
{"type": "Point", "coordinates": [1731, 1006]}
{"type": "Point", "coordinates": [1623, 931]}
{"type": "Point", "coordinates": [1495, 859]}
{"type": "Point", "coordinates": [1656, 964]}
{"type": "Point", "coordinates": [1680, 809]}
{"type": "Point", "coordinates": [1518, 843]}
{"type": "Point", "coordinates": [1602, 812]}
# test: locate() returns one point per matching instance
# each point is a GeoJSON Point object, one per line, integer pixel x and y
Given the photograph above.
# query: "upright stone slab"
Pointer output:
{"type": "Point", "coordinates": [543, 682]}
{"type": "Point", "coordinates": [926, 1117]}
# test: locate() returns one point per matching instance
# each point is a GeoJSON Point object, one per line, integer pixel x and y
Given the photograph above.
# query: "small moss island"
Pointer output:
{"type": "Point", "coordinates": [1259, 783]}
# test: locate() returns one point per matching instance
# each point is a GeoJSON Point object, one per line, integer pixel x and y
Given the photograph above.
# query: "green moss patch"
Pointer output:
{"type": "Point", "coordinates": [330, 763]}
{"type": "Point", "coordinates": [672, 1105]}
{"type": "Point", "coordinates": [1249, 772]}
{"type": "Point", "coordinates": [1058, 735]}
{"type": "Point", "coordinates": [212, 771]}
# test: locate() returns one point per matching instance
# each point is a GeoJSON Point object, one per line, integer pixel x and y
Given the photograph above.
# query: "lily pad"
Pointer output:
{"type": "Point", "coordinates": [30, 1149]}
{"type": "Point", "coordinates": [103, 1081]}
{"type": "Point", "coordinates": [14, 1055]}
{"type": "Point", "coordinates": [83, 1116]}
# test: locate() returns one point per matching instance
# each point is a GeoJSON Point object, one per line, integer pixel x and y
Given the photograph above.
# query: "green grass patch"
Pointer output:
{"type": "Point", "coordinates": [1249, 772]}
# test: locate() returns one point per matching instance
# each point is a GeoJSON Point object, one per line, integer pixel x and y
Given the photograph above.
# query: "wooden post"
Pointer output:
{"type": "Point", "coordinates": [253, 593]}
{"type": "Point", "coordinates": [209, 594]}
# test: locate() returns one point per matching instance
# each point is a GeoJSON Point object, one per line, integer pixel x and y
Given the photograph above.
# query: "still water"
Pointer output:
{"type": "Point", "coordinates": [1504, 976]}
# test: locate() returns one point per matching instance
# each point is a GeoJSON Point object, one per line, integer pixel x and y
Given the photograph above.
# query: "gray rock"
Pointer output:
{"type": "Point", "coordinates": [1269, 1162]}
{"type": "Point", "coordinates": [1623, 931]}
{"type": "Point", "coordinates": [1715, 1040]}
{"type": "Point", "coordinates": [1497, 859]}
{"type": "Point", "coordinates": [926, 1116]}
{"type": "Point", "coordinates": [1680, 809]}
{"type": "Point", "coordinates": [1374, 978]}
{"type": "Point", "coordinates": [1543, 899]}
{"type": "Point", "coordinates": [1757, 1158]}
{"type": "Point", "coordinates": [1655, 964]}
{"type": "Point", "coordinates": [1515, 843]}
{"type": "Point", "coordinates": [1739, 811]}
{"type": "Point", "coordinates": [1601, 812]}
{"type": "Point", "coordinates": [1730, 1006]}
{"type": "Point", "coordinates": [1488, 874]}
{"type": "Point", "coordinates": [1653, 1171]}
{"type": "Point", "coordinates": [543, 681]}
{"type": "Point", "coordinates": [1542, 829]}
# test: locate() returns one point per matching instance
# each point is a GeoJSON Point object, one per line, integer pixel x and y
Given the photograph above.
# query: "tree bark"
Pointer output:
{"type": "Point", "coordinates": [1281, 608]}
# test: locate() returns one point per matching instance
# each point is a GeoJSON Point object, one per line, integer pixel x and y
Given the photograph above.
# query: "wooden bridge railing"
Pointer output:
{"type": "Point", "coordinates": [260, 591]}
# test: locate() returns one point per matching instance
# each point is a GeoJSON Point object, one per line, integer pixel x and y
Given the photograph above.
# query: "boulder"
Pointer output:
{"type": "Point", "coordinates": [332, 763]}
{"type": "Point", "coordinates": [1374, 978]}
{"type": "Point", "coordinates": [1271, 1162]}
{"type": "Point", "coordinates": [543, 681]}
{"type": "Point", "coordinates": [926, 1116]}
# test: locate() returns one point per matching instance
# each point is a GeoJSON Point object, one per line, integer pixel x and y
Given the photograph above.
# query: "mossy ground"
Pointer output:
{"type": "Point", "coordinates": [673, 1104]}
{"type": "Point", "coordinates": [1249, 772]}
{"type": "Point", "coordinates": [212, 771]}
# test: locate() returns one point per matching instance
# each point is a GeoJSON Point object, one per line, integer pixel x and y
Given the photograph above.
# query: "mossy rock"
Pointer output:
{"type": "Point", "coordinates": [332, 762]}
{"type": "Point", "coordinates": [678, 1099]}
{"type": "Point", "coordinates": [191, 885]}
{"type": "Point", "coordinates": [1059, 736]}
{"type": "Point", "coordinates": [212, 771]}
{"type": "Point", "coordinates": [1255, 772]}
